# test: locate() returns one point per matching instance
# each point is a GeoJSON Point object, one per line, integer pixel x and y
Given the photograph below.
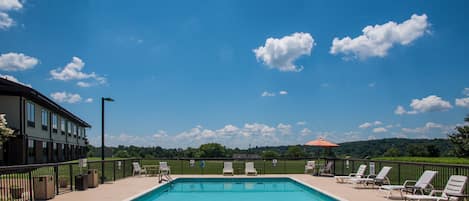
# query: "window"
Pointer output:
{"type": "Point", "coordinates": [54, 123]}
{"type": "Point", "coordinates": [55, 152]}
{"type": "Point", "coordinates": [69, 127]}
{"type": "Point", "coordinates": [62, 125]}
{"type": "Point", "coordinates": [74, 129]}
{"type": "Point", "coordinates": [30, 110]}
{"type": "Point", "coordinates": [44, 119]}
{"type": "Point", "coordinates": [31, 152]}
{"type": "Point", "coordinates": [44, 152]}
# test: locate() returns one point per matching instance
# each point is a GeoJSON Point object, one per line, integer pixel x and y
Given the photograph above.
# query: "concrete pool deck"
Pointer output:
{"type": "Point", "coordinates": [129, 187]}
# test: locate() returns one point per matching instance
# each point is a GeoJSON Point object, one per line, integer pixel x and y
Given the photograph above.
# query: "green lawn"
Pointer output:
{"type": "Point", "coordinates": [445, 160]}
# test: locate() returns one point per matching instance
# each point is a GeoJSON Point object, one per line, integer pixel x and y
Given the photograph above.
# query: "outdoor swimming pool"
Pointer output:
{"type": "Point", "coordinates": [234, 189]}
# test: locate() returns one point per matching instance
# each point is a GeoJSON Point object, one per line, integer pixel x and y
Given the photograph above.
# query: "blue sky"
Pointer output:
{"type": "Point", "coordinates": [239, 72]}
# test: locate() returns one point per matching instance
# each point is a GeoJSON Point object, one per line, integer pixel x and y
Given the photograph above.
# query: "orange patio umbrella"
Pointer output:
{"type": "Point", "coordinates": [321, 142]}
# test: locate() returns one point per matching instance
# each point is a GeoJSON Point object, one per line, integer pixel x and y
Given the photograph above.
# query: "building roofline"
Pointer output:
{"type": "Point", "coordinates": [8, 87]}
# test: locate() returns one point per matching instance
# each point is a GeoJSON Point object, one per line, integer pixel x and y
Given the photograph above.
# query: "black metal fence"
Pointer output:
{"type": "Point", "coordinates": [16, 182]}
{"type": "Point", "coordinates": [15, 179]}
{"type": "Point", "coordinates": [400, 171]}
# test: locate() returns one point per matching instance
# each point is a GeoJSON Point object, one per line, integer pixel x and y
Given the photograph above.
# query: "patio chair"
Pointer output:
{"type": "Point", "coordinates": [455, 186]}
{"type": "Point", "coordinates": [228, 168]}
{"type": "Point", "coordinates": [380, 179]}
{"type": "Point", "coordinates": [310, 165]}
{"type": "Point", "coordinates": [249, 169]}
{"type": "Point", "coordinates": [164, 168]}
{"type": "Point", "coordinates": [327, 169]}
{"type": "Point", "coordinates": [412, 186]}
{"type": "Point", "coordinates": [359, 174]}
{"type": "Point", "coordinates": [137, 169]}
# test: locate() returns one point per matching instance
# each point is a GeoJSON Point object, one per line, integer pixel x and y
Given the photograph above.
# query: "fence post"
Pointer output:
{"type": "Point", "coordinates": [182, 168]}
{"type": "Point", "coordinates": [123, 168]}
{"type": "Point", "coordinates": [56, 175]}
{"type": "Point", "coordinates": [70, 169]}
{"type": "Point", "coordinates": [114, 170]}
{"type": "Point", "coordinates": [30, 185]}
{"type": "Point", "coordinates": [398, 173]}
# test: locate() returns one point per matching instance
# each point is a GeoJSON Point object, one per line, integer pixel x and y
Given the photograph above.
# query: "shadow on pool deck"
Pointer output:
{"type": "Point", "coordinates": [126, 188]}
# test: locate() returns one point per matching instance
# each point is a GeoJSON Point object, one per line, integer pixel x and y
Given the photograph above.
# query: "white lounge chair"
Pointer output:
{"type": "Point", "coordinates": [164, 168]}
{"type": "Point", "coordinates": [380, 179]}
{"type": "Point", "coordinates": [359, 174]}
{"type": "Point", "coordinates": [412, 186]}
{"type": "Point", "coordinates": [455, 185]}
{"type": "Point", "coordinates": [327, 170]}
{"type": "Point", "coordinates": [137, 169]}
{"type": "Point", "coordinates": [310, 165]}
{"type": "Point", "coordinates": [228, 168]}
{"type": "Point", "coordinates": [249, 169]}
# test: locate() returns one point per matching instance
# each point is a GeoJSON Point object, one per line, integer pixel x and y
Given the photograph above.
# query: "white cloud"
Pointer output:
{"type": "Point", "coordinates": [466, 91]}
{"type": "Point", "coordinates": [11, 78]}
{"type": "Point", "coordinates": [73, 71]}
{"type": "Point", "coordinates": [430, 104]}
{"type": "Point", "coordinates": [5, 21]}
{"type": "Point", "coordinates": [368, 124]}
{"type": "Point", "coordinates": [89, 100]}
{"type": "Point", "coordinates": [17, 61]}
{"type": "Point", "coordinates": [400, 110]}
{"type": "Point", "coordinates": [282, 53]}
{"type": "Point", "coordinates": [305, 132]}
{"type": "Point", "coordinates": [378, 39]}
{"type": "Point", "coordinates": [428, 128]}
{"type": "Point", "coordinates": [301, 123]}
{"type": "Point", "coordinates": [267, 94]}
{"type": "Point", "coordinates": [365, 125]}
{"type": "Point", "coordinates": [380, 130]}
{"type": "Point", "coordinates": [283, 92]}
{"type": "Point", "coordinates": [284, 129]}
{"type": "Point", "coordinates": [64, 97]}
{"type": "Point", "coordinates": [83, 84]}
{"type": "Point", "coordinates": [462, 102]}
{"type": "Point", "coordinates": [7, 5]}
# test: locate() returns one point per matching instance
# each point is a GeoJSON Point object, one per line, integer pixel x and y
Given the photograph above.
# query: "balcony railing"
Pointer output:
{"type": "Point", "coordinates": [64, 173]}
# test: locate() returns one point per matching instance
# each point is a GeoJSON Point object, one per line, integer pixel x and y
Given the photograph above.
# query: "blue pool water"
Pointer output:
{"type": "Point", "coordinates": [234, 189]}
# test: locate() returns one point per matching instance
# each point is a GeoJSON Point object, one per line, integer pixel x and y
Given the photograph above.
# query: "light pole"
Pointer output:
{"type": "Point", "coordinates": [102, 136]}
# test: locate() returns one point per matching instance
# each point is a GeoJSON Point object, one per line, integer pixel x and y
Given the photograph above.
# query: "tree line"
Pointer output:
{"type": "Point", "coordinates": [457, 145]}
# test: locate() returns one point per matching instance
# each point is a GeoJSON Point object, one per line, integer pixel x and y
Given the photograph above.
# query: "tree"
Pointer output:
{"type": "Point", "coordinates": [5, 132]}
{"type": "Point", "coordinates": [460, 139]}
{"type": "Point", "coordinates": [416, 150]}
{"type": "Point", "coordinates": [122, 154]}
{"type": "Point", "coordinates": [433, 150]}
{"type": "Point", "coordinates": [212, 150]}
{"type": "Point", "coordinates": [295, 152]}
{"type": "Point", "coordinates": [269, 154]}
{"type": "Point", "coordinates": [392, 152]}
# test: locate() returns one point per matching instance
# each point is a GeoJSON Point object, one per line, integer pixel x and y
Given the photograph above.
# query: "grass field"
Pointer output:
{"type": "Point", "coordinates": [445, 160]}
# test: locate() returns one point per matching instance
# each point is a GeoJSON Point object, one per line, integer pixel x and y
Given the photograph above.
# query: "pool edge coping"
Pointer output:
{"type": "Point", "coordinates": [209, 177]}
